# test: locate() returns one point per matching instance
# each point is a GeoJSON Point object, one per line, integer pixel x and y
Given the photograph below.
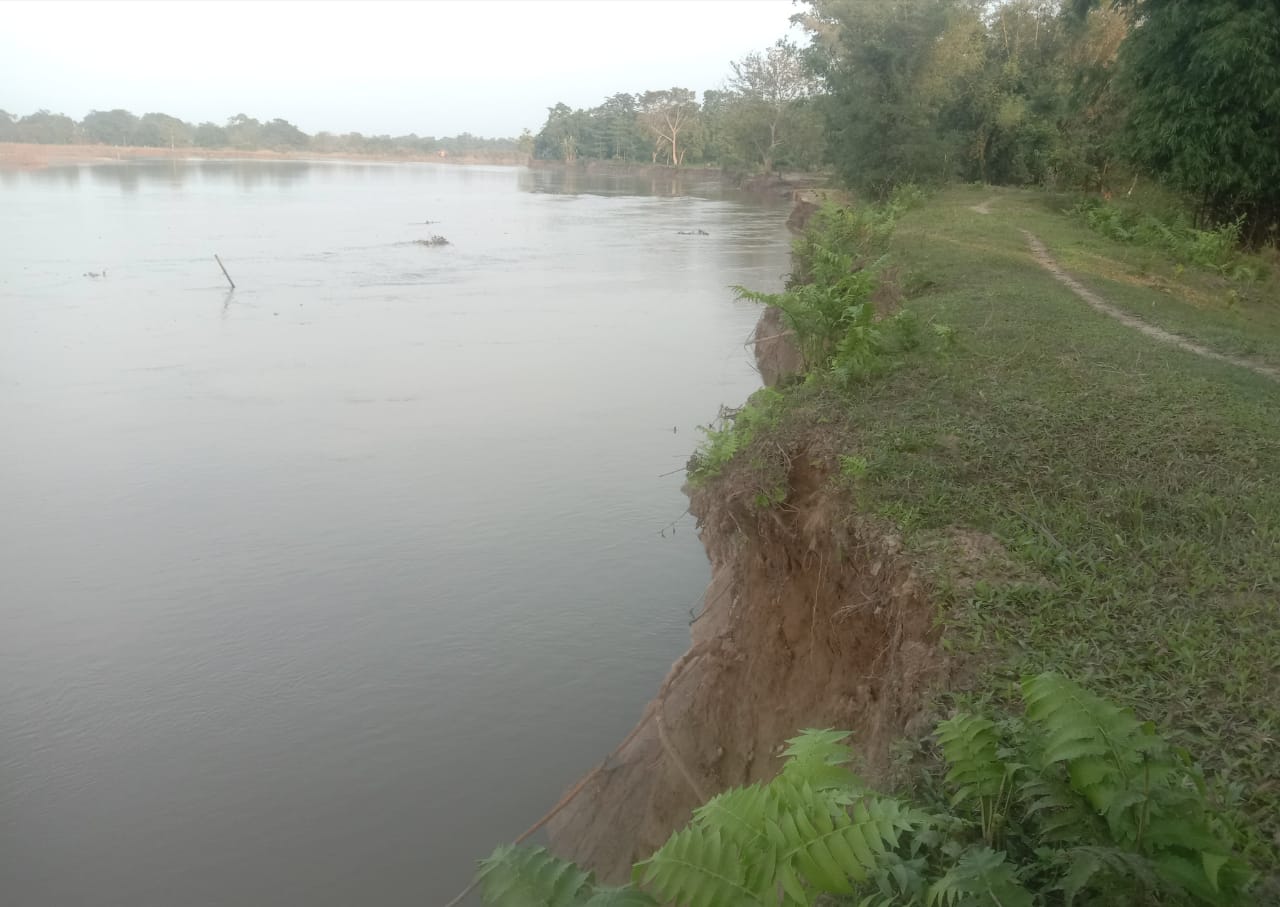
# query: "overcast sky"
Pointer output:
{"type": "Point", "coordinates": [434, 67]}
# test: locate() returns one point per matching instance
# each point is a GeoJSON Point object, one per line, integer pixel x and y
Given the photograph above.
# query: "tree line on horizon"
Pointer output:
{"type": "Point", "coordinates": [765, 116]}
{"type": "Point", "coordinates": [241, 132]}
{"type": "Point", "coordinates": [1088, 95]}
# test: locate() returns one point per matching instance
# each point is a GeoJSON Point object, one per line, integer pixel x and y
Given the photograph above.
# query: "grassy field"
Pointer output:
{"type": "Point", "coordinates": [1129, 487]}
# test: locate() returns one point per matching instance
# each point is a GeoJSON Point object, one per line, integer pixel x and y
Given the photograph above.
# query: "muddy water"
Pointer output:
{"type": "Point", "coordinates": [313, 592]}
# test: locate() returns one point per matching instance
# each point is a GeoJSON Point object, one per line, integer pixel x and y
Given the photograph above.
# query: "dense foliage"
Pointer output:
{"type": "Point", "coordinates": [1035, 92]}
{"type": "Point", "coordinates": [763, 117]}
{"type": "Point", "coordinates": [1076, 803]}
{"type": "Point", "coordinates": [1203, 82]}
{"type": "Point", "coordinates": [241, 132]}
{"type": "Point", "coordinates": [934, 90]}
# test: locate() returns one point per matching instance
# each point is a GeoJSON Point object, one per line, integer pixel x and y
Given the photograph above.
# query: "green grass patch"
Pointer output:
{"type": "Point", "coordinates": [1132, 484]}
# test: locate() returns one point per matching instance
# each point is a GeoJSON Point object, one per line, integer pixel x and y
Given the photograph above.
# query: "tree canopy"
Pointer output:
{"type": "Point", "coordinates": [242, 132]}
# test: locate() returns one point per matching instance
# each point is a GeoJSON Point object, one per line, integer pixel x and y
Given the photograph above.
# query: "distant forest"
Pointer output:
{"type": "Point", "coordinates": [241, 132]}
{"type": "Point", "coordinates": [1070, 94]}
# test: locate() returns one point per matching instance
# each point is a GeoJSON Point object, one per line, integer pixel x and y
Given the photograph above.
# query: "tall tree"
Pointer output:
{"type": "Point", "coordinates": [1203, 79]}
{"type": "Point", "coordinates": [45, 128]}
{"type": "Point", "coordinates": [244, 131]}
{"type": "Point", "coordinates": [159, 130]}
{"type": "Point", "coordinates": [211, 135]}
{"type": "Point", "coordinates": [109, 127]}
{"type": "Point", "coordinates": [771, 85]}
{"type": "Point", "coordinates": [880, 129]}
{"type": "Point", "coordinates": [666, 114]}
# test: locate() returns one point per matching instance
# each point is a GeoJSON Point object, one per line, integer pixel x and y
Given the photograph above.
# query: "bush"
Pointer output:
{"type": "Point", "coordinates": [1076, 803]}
{"type": "Point", "coordinates": [1214, 250]}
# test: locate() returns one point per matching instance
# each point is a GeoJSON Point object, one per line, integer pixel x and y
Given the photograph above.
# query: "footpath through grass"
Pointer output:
{"type": "Point", "coordinates": [1131, 485]}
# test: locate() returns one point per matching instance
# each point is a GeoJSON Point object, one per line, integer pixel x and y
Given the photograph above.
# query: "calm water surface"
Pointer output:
{"type": "Point", "coordinates": [312, 593]}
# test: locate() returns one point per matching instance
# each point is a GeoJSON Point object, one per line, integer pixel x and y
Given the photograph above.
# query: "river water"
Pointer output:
{"type": "Point", "coordinates": [313, 592]}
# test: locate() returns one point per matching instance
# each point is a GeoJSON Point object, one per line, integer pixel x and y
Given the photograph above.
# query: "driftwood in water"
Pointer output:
{"type": "Point", "coordinates": [224, 271]}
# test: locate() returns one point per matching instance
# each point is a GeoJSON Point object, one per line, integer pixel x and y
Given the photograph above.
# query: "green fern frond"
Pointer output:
{"type": "Point", "coordinates": [971, 746]}
{"type": "Point", "coordinates": [1104, 869]}
{"type": "Point", "coordinates": [1060, 814]}
{"type": "Point", "coordinates": [831, 847]}
{"type": "Point", "coordinates": [532, 877]}
{"type": "Point", "coordinates": [620, 897]}
{"type": "Point", "coordinates": [739, 814]}
{"type": "Point", "coordinates": [898, 882]}
{"type": "Point", "coordinates": [696, 868]}
{"type": "Point", "coordinates": [981, 878]}
{"type": "Point", "coordinates": [820, 759]}
{"type": "Point", "coordinates": [1103, 746]}
{"type": "Point", "coordinates": [1079, 724]}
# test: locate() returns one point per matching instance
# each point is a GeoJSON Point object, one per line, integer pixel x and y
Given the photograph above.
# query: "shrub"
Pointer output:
{"type": "Point", "coordinates": [1078, 802]}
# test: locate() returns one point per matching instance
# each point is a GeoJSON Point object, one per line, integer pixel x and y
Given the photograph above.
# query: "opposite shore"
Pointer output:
{"type": "Point", "coordinates": [29, 156]}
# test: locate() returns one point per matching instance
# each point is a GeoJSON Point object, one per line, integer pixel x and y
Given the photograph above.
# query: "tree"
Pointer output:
{"type": "Point", "coordinates": [666, 114]}
{"type": "Point", "coordinates": [880, 129]}
{"type": "Point", "coordinates": [211, 135]}
{"type": "Point", "coordinates": [771, 86]}
{"type": "Point", "coordinates": [556, 140]}
{"type": "Point", "coordinates": [8, 127]}
{"type": "Point", "coordinates": [45, 128]}
{"type": "Point", "coordinates": [1204, 108]}
{"type": "Point", "coordinates": [244, 132]}
{"type": "Point", "coordinates": [159, 130]}
{"type": "Point", "coordinates": [109, 127]}
{"type": "Point", "coordinates": [282, 134]}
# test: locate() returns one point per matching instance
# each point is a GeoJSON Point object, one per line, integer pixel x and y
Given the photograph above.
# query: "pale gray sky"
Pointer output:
{"type": "Point", "coordinates": [434, 67]}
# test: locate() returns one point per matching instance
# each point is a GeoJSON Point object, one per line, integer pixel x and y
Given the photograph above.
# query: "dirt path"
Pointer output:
{"type": "Point", "coordinates": [1049, 264]}
{"type": "Point", "coordinates": [985, 207]}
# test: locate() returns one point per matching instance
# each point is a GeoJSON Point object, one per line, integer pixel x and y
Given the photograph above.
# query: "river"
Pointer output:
{"type": "Point", "coordinates": [313, 592]}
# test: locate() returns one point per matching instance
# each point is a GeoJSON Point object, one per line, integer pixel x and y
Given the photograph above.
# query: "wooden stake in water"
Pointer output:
{"type": "Point", "coordinates": [224, 271]}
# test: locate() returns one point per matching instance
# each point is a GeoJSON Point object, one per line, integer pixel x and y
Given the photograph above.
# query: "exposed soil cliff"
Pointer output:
{"type": "Point", "coordinates": [813, 619]}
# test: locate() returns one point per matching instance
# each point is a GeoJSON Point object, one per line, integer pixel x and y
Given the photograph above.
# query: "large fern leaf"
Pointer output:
{"type": "Point", "coordinates": [1104, 747]}
{"type": "Point", "coordinates": [532, 877]}
{"type": "Point", "coordinates": [971, 746]}
{"type": "Point", "coordinates": [1103, 869]}
{"type": "Point", "coordinates": [697, 867]}
{"type": "Point", "coordinates": [831, 847]}
{"type": "Point", "coordinates": [820, 758]}
{"type": "Point", "coordinates": [980, 878]}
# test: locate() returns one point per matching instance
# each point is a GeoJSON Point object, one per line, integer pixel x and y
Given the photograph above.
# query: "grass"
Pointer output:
{"type": "Point", "coordinates": [1239, 317]}
{"type": "Point", "coordinates": [1132, 485]}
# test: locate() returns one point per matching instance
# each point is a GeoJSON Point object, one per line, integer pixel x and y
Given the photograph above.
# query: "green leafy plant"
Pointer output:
{"type": "Point", "coordinates": [1216, 250]}
{"type": "Point", "coordinates": [828, 301]}
{"type": "Point", "coordinates": [732, 432]}
{"type": "Point", "coordinates": [1087, 805]}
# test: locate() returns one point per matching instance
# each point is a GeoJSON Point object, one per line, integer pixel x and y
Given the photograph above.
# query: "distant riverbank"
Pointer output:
{"type": "Point", "coordinates": [22, 156]}
{"type": "Point", "coordinates": [783, 186]}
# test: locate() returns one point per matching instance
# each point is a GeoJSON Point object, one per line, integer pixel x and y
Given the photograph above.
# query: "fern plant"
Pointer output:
{"type": "Point", "coordinates": [1075, 803]}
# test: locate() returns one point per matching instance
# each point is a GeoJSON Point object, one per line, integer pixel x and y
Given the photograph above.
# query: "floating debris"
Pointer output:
{"type": "Point", "coordinates": [95, 274]}
{"type": "Point", "coordinates": [692, 233]}
{"type": "Point", "coordinates": [433, 241]}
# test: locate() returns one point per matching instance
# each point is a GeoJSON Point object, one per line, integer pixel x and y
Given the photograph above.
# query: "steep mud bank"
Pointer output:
{"type": "Point", "coordinates": [813, 619]}
{"type": "Point", "coordinates": [778, 356]}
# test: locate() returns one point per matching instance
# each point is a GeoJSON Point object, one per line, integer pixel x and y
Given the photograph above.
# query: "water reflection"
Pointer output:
{"type": "Point", "coordinates": [64, 175]}
{"type": "Point", "coordinates": [640, 181]}
{"type": "Point", "coordinates": [294, 521]}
